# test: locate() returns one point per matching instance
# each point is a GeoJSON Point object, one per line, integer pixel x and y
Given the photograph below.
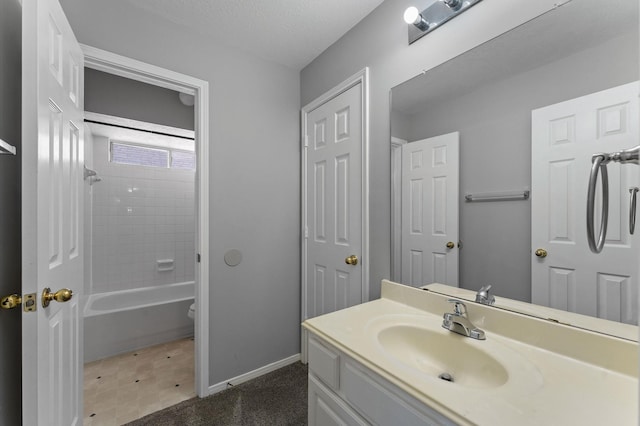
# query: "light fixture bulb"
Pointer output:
{"type": "Point", "coordinates": [412, 15]}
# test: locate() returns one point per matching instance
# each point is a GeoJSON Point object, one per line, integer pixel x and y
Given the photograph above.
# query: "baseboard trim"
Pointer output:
{"type": "Point", "coordinates": [253, 374]}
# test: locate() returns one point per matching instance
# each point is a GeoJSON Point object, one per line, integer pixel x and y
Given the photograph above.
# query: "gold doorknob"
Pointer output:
{"type": "Point", "coordinates": [62, 295]}
{"type": "Point", "coordinates": [351, 260]}
{"type": "Point", "coordinates": [11, 301]}
{"type": "Point", "coordinates": [451, 245]}
{"type": "Point", "coordinates": [541, 253]}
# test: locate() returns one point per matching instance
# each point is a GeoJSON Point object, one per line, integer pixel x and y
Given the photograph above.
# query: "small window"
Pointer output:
{"type": "Point", "coordinates": [139, 155]}
{"type": "Point", "coordinates": [183, 160]}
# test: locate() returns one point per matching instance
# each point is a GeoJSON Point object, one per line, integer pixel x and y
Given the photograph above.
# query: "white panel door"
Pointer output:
{"type": "Point", "coordinates": [52, 219]}
{"type": "Point", "coordinates": [430, 201]}
{"type": "Point", "coordinates": [564, 137]}
{"type": "Point", "coordinates": [333, 202]}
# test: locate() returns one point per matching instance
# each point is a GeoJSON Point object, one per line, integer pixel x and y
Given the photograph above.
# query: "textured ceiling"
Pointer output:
{"type": "Point", "coordinates": [288, 32]}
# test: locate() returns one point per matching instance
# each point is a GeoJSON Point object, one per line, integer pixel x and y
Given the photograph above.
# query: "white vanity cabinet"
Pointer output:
{"type": "Point", "coordinates": [342, 391]}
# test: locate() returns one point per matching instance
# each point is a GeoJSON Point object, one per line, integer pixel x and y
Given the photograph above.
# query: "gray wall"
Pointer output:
{"type": "Point", "coordinates": [114, 95]}
{"type": "Point", "coordinates": [379, 41]}
{"type": "Point", "coordinates": [255, 174]}
{"type": "Point", "coordinates": [494, 122]}
{"type": "Point", "coordinates": [10, 249]}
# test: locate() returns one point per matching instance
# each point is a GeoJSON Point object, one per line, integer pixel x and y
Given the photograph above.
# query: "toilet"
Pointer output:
{"type": "Point", "coordinates": [192, 311]}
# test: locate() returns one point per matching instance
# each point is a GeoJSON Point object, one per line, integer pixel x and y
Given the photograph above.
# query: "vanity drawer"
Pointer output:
{"type": "Point", "coordinates": [324, 362]}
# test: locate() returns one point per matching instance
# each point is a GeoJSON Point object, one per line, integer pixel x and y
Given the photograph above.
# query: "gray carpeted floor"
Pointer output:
{"type": "Point", "coordinates": [277, 398]}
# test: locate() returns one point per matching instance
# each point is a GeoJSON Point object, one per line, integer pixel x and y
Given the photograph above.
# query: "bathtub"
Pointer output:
{"type": "Point", "coordinates": [123, 321]}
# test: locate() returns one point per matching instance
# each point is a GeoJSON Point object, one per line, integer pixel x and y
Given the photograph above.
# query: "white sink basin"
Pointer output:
{"type": "Point", "coordinates": [447, 356]}
{"type": "Point", "coordinates": [419, 346]}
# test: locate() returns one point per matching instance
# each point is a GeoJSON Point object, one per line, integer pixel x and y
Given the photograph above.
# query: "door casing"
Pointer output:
{"type": "Point", "coordinates": [396, 207]}
{"type": "Point", "coordinates": [361, 77]}
{"type": "Point", "coordinates": [122, 66]}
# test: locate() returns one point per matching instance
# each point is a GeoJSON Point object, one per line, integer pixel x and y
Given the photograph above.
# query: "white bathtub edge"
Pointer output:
{"type": "Point", "coordinates": [89, 299]}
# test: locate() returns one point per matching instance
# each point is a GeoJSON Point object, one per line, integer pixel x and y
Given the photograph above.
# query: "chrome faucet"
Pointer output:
{"type": "Point", "coordinates": [458, 322]}
{"type": "Point", "coordinates": [483, 296]}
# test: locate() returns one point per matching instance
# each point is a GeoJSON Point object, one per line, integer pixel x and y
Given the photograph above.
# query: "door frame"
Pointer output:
{"type": "Point", "coordinates": [122, 66]}
{"type": "Point", "coordinates": [362, 78]}
{"type": "Point", "coordinates": [396, 207]}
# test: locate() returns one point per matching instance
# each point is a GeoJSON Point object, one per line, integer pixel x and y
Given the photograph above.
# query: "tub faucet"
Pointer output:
{"type": "Point", "coordinates": [458, 322]}
{"type": "Point", "coordinates": [483, 296]}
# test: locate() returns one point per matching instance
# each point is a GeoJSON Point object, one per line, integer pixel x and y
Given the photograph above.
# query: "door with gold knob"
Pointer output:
{"type": "Point", "coordinates": [52, 216]}
{"type": "Point", "coordinates": [333, 273]}
{"type": "Point", "coordinates": [565, 273]}
{"type": "Point", "coordinates": [430, 211]}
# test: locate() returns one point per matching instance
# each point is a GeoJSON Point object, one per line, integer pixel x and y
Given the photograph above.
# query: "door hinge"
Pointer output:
{"type": "Point", "coordinates": [198, 257]}
{"type": "Point", "coordinates": [306, 232]}
{"type": "Point", "coordinates": [306, 141]}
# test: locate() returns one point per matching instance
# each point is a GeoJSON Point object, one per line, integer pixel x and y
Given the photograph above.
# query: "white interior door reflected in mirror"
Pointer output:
{"type": "Point", "coordinates": [564, 138]}
{"type": "Point", "coordinates": [430, 197]}
{"type": "Point", "coordinates": [487, 95]}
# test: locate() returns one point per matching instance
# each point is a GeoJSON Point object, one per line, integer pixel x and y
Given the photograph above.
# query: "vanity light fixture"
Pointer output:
{"type": "Point", "coordinates": [453, 4]}
{"type": "Point", "coordinates": [412, 16]}
{"type": "Point", "coordinates": [422, 23]}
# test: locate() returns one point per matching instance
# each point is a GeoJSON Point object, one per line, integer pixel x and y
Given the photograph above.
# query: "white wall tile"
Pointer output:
{"type": "Point", "coordinates": [140, 215]}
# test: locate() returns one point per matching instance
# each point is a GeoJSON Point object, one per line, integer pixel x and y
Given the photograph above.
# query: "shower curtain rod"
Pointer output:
{"type": "Point", "coordinates": [140, 130]}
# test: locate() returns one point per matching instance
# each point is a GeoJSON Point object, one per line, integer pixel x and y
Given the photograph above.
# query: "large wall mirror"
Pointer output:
{"type": "Point", "coordinates": [491, 155]}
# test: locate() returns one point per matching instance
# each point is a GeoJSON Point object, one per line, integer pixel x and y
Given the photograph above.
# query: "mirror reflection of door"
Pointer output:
{"type": "Point", "coordinates": [487, 95]}
{"type": "Point", "coordinates": [429, 230]}
{"type": "Point", "coordinates": [564, 137]}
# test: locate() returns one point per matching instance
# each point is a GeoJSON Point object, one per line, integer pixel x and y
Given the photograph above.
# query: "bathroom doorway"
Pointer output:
{"type": "Point", "coordinates": [140, 230]}
{"type": "Point", "coordinates": [143, 222]}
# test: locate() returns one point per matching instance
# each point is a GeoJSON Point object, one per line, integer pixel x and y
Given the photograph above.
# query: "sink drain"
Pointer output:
{"type": "Point", "coordinates": [446, 377]}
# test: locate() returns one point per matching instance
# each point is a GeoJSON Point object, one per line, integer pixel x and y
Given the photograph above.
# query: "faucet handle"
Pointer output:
{"type": "Point", "coordinates": [483, 296]}
{"type": "Point", "coordinates": [459, 308]}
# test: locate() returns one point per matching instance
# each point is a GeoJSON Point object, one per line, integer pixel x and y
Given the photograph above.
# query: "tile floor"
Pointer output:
{"type": "Point", "coordinates": [126, 387]}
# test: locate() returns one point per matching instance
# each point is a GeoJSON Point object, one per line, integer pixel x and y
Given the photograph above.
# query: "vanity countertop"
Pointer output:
{"type": "Point", "coordinates": [555, 374]}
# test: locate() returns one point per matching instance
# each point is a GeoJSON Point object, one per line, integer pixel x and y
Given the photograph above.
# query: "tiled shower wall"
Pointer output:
{"type": "Point", "coordinates": [141, 215]}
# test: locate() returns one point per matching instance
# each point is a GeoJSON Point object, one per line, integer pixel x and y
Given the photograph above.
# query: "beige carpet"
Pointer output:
{"type": "Point", "coordinates": [278, 398]}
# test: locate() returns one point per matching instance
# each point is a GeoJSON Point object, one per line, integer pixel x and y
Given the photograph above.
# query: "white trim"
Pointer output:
{"type": "Point", "coordinates": [235, 381]}
{"type": "Point", "coordinates": [140, 125]}
{"type": "Point", "coordinates": [396, 200]}
{"type": "Point", "coordinates": [361, 77]}
{"type": "Point", "coordinates": [133, 69]}
{"type": "Point", "coordinates": [130, 68]}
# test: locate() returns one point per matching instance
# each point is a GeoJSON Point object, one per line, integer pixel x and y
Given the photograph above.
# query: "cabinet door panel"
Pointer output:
{"type": "Point", "coordinates": [380, 404]}
{"type": "Point", "coordinates": [325, 409]}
